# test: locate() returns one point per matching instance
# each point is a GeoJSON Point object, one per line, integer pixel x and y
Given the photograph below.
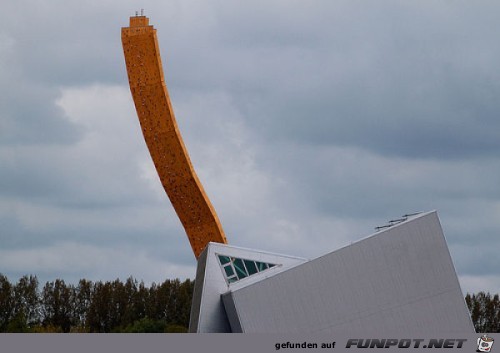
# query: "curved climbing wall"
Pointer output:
{"type": "Point", "coordinates": [163, 138]}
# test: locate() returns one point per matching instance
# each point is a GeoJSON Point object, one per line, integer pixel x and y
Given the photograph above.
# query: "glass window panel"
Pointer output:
{"type": "Point", "coordinates": [251, 267]}
{"type": "Point", "coordinates": [260, 266]}
{"type": "Point", "coordinates": [240, 269]}
{"type": "Point", "coordinates": [241, 275]}
{"type": "Point", "coordinates": [229, 270]}
{"type": "Point", "coordinates": [236, 268]}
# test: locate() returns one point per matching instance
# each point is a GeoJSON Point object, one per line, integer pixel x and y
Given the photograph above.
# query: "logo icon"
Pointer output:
{"type": "Point", "coordinates": [484, 343]}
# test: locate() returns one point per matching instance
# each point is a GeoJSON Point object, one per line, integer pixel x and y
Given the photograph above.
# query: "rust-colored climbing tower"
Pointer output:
{"type": "Point", "coordinates": [164, 141]}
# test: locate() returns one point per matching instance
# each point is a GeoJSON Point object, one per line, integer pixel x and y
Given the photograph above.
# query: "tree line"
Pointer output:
{"type": "Point", "coordinates": [132, 307]}
{"type": "Point", "coordinates": [484, 310]}
{"type": "Point", "coordinates": [115, 306]}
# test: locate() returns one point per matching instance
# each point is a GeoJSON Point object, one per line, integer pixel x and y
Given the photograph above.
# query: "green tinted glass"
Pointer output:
{"type": "Point", "coordinates": [261, 266]}
{"type": "Point", "coordinates": [251, 267]}
{"type": "Point", "coordinates": [229, 271]}
{"type": "Point", "coordinates": [224, 259]}
{"type": "Point", "coordinates": [240, 269]}
{"type": "Point", "coordinates": [236, 268]}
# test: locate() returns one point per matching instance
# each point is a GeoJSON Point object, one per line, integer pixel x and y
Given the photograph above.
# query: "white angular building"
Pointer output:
{"type": "Point", "coordinates": [400, 279]}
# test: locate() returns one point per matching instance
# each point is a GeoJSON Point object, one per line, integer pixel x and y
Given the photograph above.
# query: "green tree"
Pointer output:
{"type": "Point", "coordinates": [145, 325]}
{"type": "Point", "coordinates": [183, 307]}
{"type": "Point", "coordinates": [141, 301]}
{"type": "Point", "coordinates": [160, 300]}
{"type": "Point", "coordinates": [485, 311]}
{"type": "Point", "coordinates": [119, 303]}
{"type": "Point", "coordinates": [130, 314]}
{"type": "Point", "coordinates": [94, 307]}
{"type": "Point", "coordinates": [18, 324]}
{"type": "Point", "coordinates": [81, 303]}
{"type": "Point", "coordinates": [173, 328]}
{"type": "Point", "coordinates": [492, 313]}
{"type": "Point", "coordinates": [27, 301]}
{"type": "Point", "coordinates": [57, 305]}
{"type": "Point", "coordinates": [99, 313]}
{"type": "Point", "coordinates": [6, 302]}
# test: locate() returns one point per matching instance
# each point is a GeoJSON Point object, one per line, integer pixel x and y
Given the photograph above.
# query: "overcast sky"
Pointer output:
{"type": "Point", "coordinates": [309, 123]}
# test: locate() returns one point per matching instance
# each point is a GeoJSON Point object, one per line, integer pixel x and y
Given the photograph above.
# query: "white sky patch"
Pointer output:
{"type": "Point", "coordinates": [222, 150]}
{"type": "Point", "coordinates": [102, 109]}
{"type": "Point", "coordinates": [70, 260]}
{"type": "Point", "coordinates": [101, 198]}
{"type": "Point", "coordinates": [475, 284]}
{"type": "Point", "coordinates": [109, 157]}
{"type": "Point", "coordinates": [151, 178]}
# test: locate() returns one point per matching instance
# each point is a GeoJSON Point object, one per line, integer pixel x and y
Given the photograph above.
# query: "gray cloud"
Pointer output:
{"type": "Point", "coordinates": [409, 85]}
{"type": "Point", "coordinates": [308, 123]}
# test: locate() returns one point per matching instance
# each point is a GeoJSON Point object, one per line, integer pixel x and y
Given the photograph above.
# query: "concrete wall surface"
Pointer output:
{"type": "Point", "coordinates": [401, 279]}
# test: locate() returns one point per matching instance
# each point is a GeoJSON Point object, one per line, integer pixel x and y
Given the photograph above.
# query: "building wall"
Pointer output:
{"type": "Point", "coordinates": [207, 311]}
{"type": "Point", "coordinates": [400, 279]}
